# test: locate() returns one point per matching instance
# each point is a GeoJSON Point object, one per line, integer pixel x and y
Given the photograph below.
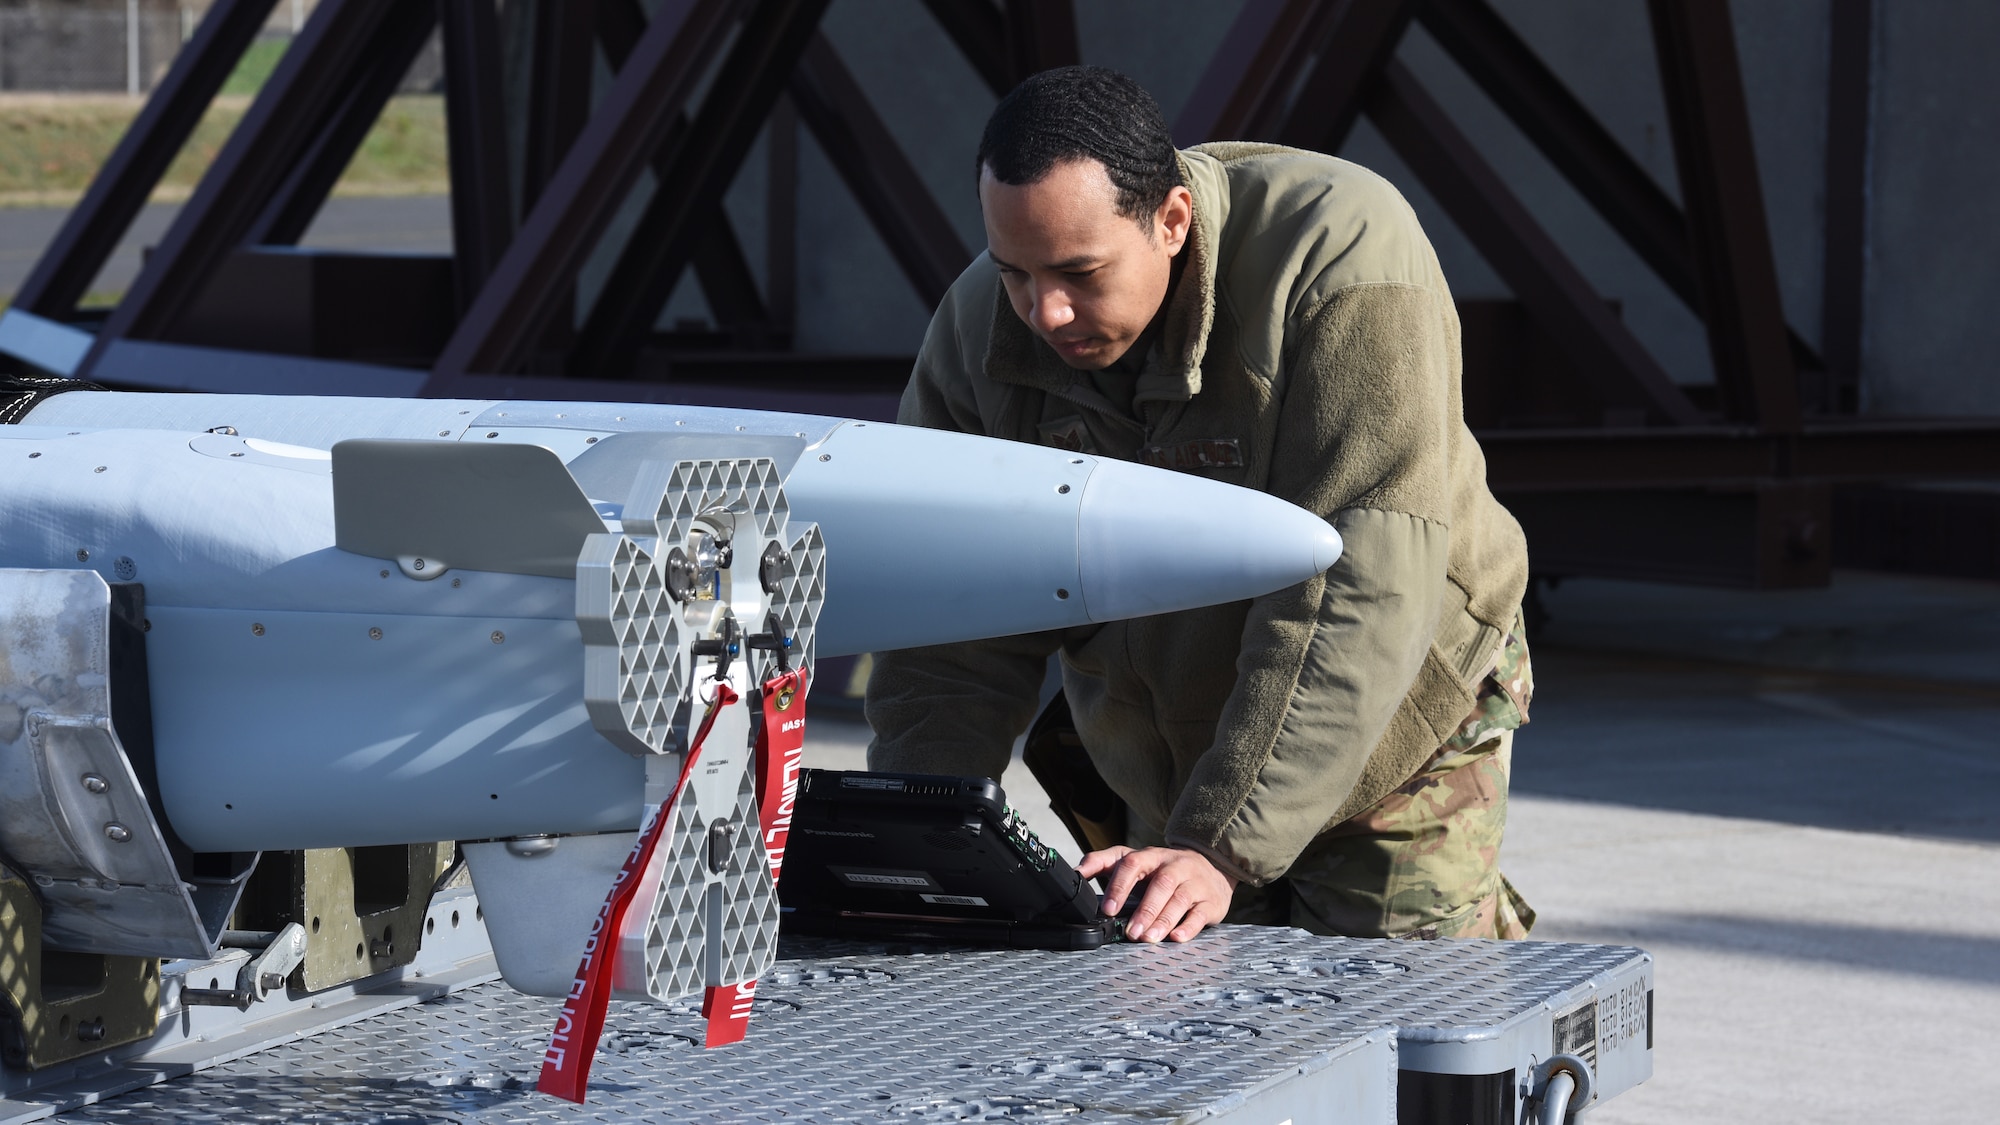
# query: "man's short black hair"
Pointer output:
{"type": "Point", "coordinates": [1078, 113]}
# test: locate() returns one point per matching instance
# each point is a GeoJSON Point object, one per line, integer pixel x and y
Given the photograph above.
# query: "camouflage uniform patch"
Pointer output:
{"type": "Point", "coordinates": [1423, 862]}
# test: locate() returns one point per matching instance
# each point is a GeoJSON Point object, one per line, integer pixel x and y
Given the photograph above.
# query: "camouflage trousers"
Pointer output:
{"type": "Point", "coordinates": [1423, 862]}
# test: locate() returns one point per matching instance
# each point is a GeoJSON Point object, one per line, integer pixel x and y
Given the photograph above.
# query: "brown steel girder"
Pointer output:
{"type": "Point", "coordinates": [119, 190]}
{"type": "Point", "coordinates": [644, 101]}
{"type": "Point", "coordinates": [283, 121]}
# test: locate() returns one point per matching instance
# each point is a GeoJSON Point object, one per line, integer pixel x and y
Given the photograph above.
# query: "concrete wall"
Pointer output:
{"type": "Point", "coordinates": [79, 45]}
{"type": "Point", "coordinates": [1933, 244]}
{"type": "Point", "coordinates": [1934, 238]}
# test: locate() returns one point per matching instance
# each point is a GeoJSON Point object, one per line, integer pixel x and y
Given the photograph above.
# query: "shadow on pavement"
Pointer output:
{"type": "Point", "coordinates": [1858, 751]}
{"type": "Point", "coordinates": [1879, 949]}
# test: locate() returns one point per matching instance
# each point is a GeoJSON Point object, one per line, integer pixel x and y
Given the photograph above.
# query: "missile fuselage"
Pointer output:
{"type": "Point", "coordinates": [306, 695]}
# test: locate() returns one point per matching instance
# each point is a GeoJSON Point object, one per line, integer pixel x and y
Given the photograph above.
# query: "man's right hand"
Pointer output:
{"type": "Point", "coordinates": [1184, 891]}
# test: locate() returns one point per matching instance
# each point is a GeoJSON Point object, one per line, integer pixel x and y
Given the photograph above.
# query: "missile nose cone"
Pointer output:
{"type": "Point", "coordinates": [1326, 547]}
{"type": "Point", "coordinates": [1150, 541]}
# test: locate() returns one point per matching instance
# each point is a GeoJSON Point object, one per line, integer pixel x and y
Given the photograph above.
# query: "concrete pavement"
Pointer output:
{"type": "Point", "coordinates": [1793, 801]}
{"type": "Point", "coordinates": [414, 224]}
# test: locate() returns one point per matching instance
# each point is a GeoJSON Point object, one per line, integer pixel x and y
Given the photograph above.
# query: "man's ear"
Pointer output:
{"type": "Point", "coordinates": [1175, 218]}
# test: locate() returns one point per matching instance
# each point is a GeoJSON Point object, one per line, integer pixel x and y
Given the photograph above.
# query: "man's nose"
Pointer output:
{"type": "Point", "coordinates": [1052, 310]}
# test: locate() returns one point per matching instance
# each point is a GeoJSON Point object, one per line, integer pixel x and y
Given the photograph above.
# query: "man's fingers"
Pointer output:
{"type": "Point", "coordinates": [1126, 871]}
{"type": "Point", "coordinates": [1097, 861]}
{"type": "Point", "coordinates": [1194, 922]}
{"type": "Point", "coordinates": [1163, 907]}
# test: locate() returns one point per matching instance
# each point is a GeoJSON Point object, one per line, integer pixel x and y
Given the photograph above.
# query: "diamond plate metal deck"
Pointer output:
{"type": "Point", "coordinates": [1245, 1024]}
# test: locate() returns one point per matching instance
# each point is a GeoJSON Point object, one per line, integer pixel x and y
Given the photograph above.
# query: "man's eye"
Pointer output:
{"type": "Point", "coordinates": [1081, 275]}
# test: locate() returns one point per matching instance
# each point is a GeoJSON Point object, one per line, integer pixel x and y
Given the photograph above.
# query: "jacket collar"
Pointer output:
{"type": "Point", "coordinates": [1014, 354]}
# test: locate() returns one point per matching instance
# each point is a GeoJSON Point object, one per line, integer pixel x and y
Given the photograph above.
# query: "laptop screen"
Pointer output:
{"type": "Point", "coordinates": [925, 857]}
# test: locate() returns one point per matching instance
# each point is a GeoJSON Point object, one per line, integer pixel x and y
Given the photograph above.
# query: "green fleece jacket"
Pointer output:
{"type": "Point", "coordinates": [1310, 350]}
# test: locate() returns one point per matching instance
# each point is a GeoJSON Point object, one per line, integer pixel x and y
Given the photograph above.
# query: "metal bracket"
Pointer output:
{"type": "Point", "coordinates": [73, 816]}
{"type": "Point", "coordinates": [278, 954]}
{"type": "Point", "coordinates": [60, 1006]}
{"type": "Point", "coordinates": [362, 908]}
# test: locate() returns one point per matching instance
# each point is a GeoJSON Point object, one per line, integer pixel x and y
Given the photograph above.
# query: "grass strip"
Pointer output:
{"type": "Point", "coordinates": [51, 146]}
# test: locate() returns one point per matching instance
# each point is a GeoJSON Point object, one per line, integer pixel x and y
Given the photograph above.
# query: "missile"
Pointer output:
{"type": "Point", "coordinates": [371, 621]}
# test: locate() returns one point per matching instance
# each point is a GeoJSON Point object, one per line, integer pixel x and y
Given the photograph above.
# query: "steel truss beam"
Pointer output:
{"type": "Point", "coordinates": [645, 99]}
{"type": "Point", "coordinates": [482, 202]}
{"type": "Point", "coordinates": [1294, 72]}
{"type": "Point", "coordinates": [1738, 279]}
{"type": "Point", "coordinates": [883, 182]}
{"type": "Point", "coordinates": [718, 259]}
{"type": "Point", "coordinates": [1570, 136]}
{"type": "Point", "coordinates": [979, 31]}
{"type": "Point", "coordinates": [560, 61]}
{"type": "Point", "coordinates": [1010, 41]}
{"type": "Point", "coordinates": [1694, 456]}
{"type": "Point", "coordinates": [1844, 282]}
{"type": "Point", "coordinates": [289, 214]}
{"type": "Point", "coordinates": [119, 190]}
{"type": "Point", "coordinates": [1041, 35]}
{"type": "Point", "coordinates": [292, 109]}
{"type": "Point", "coordinates": [692, 182]}
{"type": "Point", "coordinates": [1619, 368]}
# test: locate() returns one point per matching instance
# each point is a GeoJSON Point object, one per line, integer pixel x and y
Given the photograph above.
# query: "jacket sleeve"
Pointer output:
{"type": "Point", "coordinates": [954, 709]}
{"type": "Point", "coordinates": [1362, 437]}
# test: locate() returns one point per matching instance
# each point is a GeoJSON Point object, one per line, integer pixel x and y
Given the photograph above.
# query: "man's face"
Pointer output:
{"type": "Point", "coordinates": [1087, 279]}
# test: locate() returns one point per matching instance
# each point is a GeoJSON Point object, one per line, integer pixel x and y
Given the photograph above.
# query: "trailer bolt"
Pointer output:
{"type": "Point", "coordinates": [117, 833]}
{"type": "Point", "coordinates": [82, 555]}
{"type": "Point", "coordinates": [374, 632]}
{"type": "Point", "coordinates": [499, 638]}
{"type": "Point", "coordinates": [95, 783]}
{"type": "Point", "coordinates": [257, 628]}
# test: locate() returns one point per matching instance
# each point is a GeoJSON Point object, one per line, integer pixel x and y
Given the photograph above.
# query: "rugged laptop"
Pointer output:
{"type": "Point", "coordinates": [891, 856]}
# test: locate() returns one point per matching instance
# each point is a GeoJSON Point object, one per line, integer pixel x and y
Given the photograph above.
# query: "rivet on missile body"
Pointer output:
{"type": "Point", "coordinates": [32, 456]}
{"type": "Point", "coordinates": [95, 783]}
{"type": "Point", "coordinates": [499, 638]}
{"type": "Point", "coordinates": [232, 455]}
{"type": "Point", "coordinates": [454, 583]}
{"type": "Point", "coordinates": [1062, 594]}
{"type": "Point", "coordinates": [444, 433]}
{"type": "Point", "coordinates": [82, 555]}
{"type": "Point", "coordinates": [117, 833]}
{"type": "Point", "coordinates": [590, 441]}
{"type": "Point", "coordinates": [826, 456]}
{"type": "Point", "coordinates": [374, 632]}
{"type": "Point", "coordinates": [98, 469]}
{"type": "Point", "coordinates": [493, 433]}
{"type": "Point", "coordinates": [1062, 489]}
{"type": "Point", "coordinates": [257, 628]}
{"type": "Point", "coordinates": [385, 574]}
